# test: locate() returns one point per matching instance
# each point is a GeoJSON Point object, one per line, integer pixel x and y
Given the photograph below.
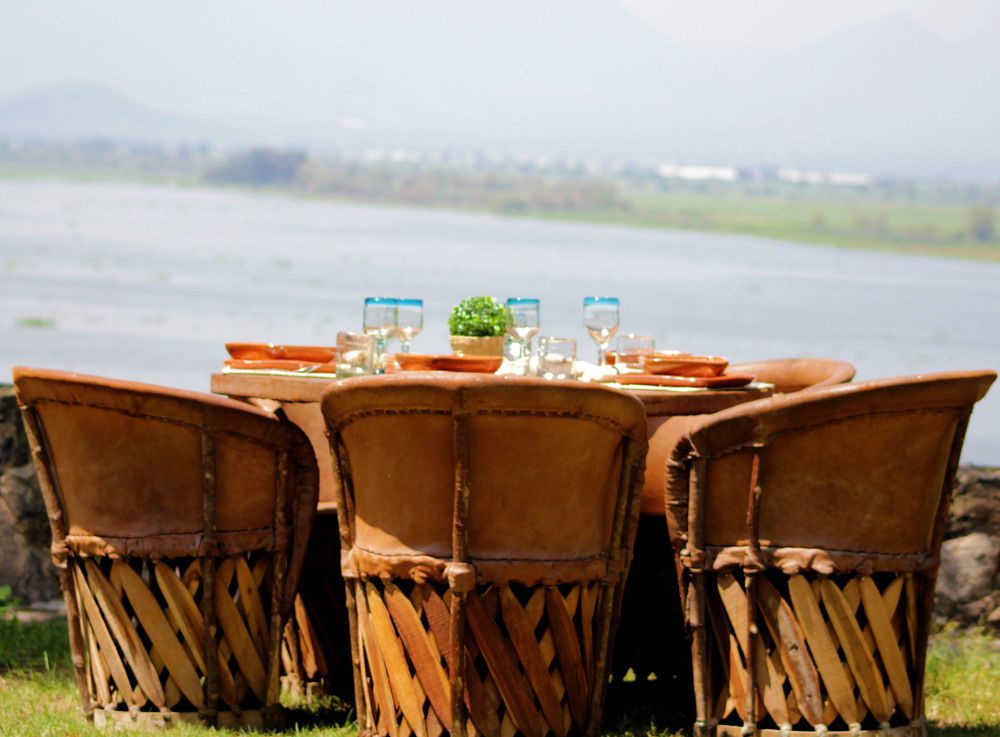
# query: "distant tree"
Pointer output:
{"type": "Point", "coordinates": [259, 166]}
{"type": "Point", "coordinates": [982, 223]}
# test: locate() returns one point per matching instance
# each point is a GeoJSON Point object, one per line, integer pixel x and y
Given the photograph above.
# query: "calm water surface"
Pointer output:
{"type": "Point", "coordinates": [147, 283]}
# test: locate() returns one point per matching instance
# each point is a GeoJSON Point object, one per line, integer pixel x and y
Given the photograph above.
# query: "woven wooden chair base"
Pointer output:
{"type": "Point", "coordinates": [834, 653]}
{"type": "Point", "coordinates": [144, 636]}
{"type": "Point", "coordinates": [530, 658]}
{"type": "Point", "coordinates": [316, 647]}
{"type": "Point", "coordinates": [254, 719]}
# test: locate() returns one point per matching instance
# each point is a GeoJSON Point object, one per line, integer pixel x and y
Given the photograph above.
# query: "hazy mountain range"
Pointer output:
{"type": "Point", "coordinates": [587, 79]}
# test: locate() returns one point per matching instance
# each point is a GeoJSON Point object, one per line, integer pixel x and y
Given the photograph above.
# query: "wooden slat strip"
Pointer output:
{"type": "Point", "coordinates": [104, 639]}
{"type": "Point", "coordinates": [183, 611]}
{"type": "Point", "coordinates": [253, 606]}
{"type": "Point", "coordinates": [523, 638]}
{"type": "Point", "coordinates": [376, 666]}
{"type": "Point", "coordinates": [99, 674]}
{"type": "Point", "coordinates": [912, 616]}
{"type": "Point", "coordinates": [439, 621]}
{"type": "Point", "coordinates": [737, 679]}
{"type": "Point", "coordinates": [171, 691]}
{"type": "Point", "coordinates": [125, 635]}
{"type": "Point", "coordinates": [570, 658]}
{"type": "Point", "coordinates": [237, 635]}
{"type": "Point", "coordinates": [888, 647]}
{"type": "Point", "coordinates": [734, 600]}
{"type": "Point", "coordinates": [477, 699]}
{"type": "Point", "coordinates": [794, 653]}
{"type": "Point", "coordinates": [161, 634]}
{"type": "Point", "coordinates": [769, 679]}
{"type": "Point", "coordinates": [395, 663]}
{"type": "Point", "coordinates": [432, 677]}
{"type": "Point", "coordinates": [823, 648]}
{"type": "Point", "coordinates": [859, 658]}
{"type": "Point", "coordinates": [588, 604]}
{"type": "Point", "coordinates": [534, 607]}
{"type": "Point", "coordinates": [503, 667]}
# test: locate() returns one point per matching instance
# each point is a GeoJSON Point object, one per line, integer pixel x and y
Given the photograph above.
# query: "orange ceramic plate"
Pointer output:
{"type": "Point", "coordinates": [685, 365]}
{"type": "Point", "coordinates": [471, 364]}
{"type": "Point", "coordinates": [268, 351]}
{"type": "Point", "coordinates": [708, 382]}
{"type": "Point", "coordinates": [278, 364]}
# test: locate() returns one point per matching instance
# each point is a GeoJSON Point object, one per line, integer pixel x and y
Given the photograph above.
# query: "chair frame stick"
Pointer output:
{"type": "Point", "coordinates": [279, 560]}
{"type": "Point", "coordinates": [612, 590]}
{"type": "Point", "coordinates": [752, 568]}
{"type": "Point", "coordinates": [460, 544]}
{"type": "Point", "coordinates": [704, 725]}
{"type": "Point", "coordinates": [48, 483]}
{"type": "Point", "coordinates": [210, 710]}
{"type": "Point", "coordinates": [341, 477]}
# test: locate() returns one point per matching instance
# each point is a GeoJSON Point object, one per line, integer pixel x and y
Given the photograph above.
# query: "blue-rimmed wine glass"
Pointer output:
{"type": "Point", "coordinates": [522, 322]}
{"type": "Point", "coordinates": [600, 317]}
{"type": "Point", "coordinates": [409, 321]}
{"type": "Point", "coordinates": [380, 323]}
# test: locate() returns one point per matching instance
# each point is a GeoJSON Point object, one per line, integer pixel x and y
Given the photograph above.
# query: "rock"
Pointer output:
{"type": "Point", "coordinates": [25, 535]}
{"type": "Point", "coordinates": [968, 567]}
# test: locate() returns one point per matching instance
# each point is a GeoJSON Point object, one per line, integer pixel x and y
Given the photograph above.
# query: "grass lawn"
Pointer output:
{"type": "Point", "coordinates": [38, 694]}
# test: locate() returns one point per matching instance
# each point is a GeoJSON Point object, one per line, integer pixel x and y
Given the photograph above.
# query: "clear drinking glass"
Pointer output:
{"type": "Point", "coordinates": [380, 323]}
{"type": "Point", "coordinates": [600, 317]}
{"type": "Point", "coordinates": [355, 354]}
{"type": "Point", "coordinates": [522, 323]}
{"type": "Point", "coordinates": [631, 348]}
{"type": "Point", "coordinates": [556, 357]}
{"type": "Point", "coordinates": [409, 321]}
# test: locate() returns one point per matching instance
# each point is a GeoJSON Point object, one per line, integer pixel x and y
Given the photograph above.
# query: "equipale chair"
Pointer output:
{"type": "Point", "coordinates": [795, 374]}
{"type": "Point", "coordinates": [486, 526]}
{"type": "Point", "coordinates": [179, 523]}
{"type": "Point", "coordinates": [811, 546]}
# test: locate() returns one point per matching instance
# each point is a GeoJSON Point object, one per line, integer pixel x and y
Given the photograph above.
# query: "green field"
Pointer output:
{"type": "Point", "coordinates": [38, 694]}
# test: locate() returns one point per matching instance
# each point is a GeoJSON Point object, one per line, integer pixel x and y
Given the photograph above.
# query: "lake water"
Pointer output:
{"type": "Point", "coordinates": [148, 283]}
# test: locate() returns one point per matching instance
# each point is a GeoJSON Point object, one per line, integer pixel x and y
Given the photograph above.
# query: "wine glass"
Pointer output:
{"type": "Point", "coordinates": [409, 321]}
{"type": "Point", "coordinates": [522, 323]}
{"type": "Point", "coordinates": [600, 317]}
{"type": "Point", "coordinates": [380, 323]}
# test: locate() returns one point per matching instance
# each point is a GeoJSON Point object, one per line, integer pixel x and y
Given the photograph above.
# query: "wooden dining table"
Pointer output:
{"type": "Point", "coordinates": [298, 397]}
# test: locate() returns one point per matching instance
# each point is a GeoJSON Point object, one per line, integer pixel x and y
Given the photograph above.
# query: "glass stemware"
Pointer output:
{"type": "Point", "coordinates": [409, 321]}
{"type": "Point", "coordinates": [522, 323]}
{"type": "Point", "coordinates": [600, 317]}
{"type": "Point", "coordinates": [380, 323]}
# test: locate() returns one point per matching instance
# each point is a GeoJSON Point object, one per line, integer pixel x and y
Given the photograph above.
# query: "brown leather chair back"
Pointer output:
{"type": "Point", "coordinates": [134, 472]}
{"type": "Point", "coordinates": [795, 374]}
{"type": "Point", "coordinates": [830, 496]}
{"type": "Point", "coordinates": [484, 484]}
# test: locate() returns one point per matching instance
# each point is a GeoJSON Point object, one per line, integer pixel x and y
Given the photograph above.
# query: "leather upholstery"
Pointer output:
{"type": "Point", "coordinates": [544, 466]}
{"type": "Point", "coordinates": [853, 476]}
{"type": "Point", "coordinates": [125, 462]}
{"type": "Point", "coordinates": [795, 374]}
{"type": "Point", "coordinates": [787, 375]}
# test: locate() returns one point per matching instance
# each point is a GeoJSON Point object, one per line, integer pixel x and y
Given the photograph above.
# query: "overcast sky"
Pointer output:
{"type": "Point", "coordinates": [151, 49]}
{"type": "Point", "coordinates": [317, 63]}
{"type": "Point", "coordinates": [786, 23]}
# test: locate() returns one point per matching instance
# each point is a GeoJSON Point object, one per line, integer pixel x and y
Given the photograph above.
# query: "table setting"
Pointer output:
{"type": "Point", "coordinates": [489, 337]}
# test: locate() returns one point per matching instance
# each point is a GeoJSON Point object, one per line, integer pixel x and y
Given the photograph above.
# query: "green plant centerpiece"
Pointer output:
{"type": "Point", "coordinates": [478, 327]}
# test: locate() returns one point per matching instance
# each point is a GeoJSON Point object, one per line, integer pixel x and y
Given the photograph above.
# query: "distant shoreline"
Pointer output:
{"type": "Point", "coordinates": [925, 224]}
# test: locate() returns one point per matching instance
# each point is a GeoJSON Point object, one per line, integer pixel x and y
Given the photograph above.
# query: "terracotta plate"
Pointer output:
{"type": "Point", "coordinates": [279, 364]}
{"type": "Point", "coordinates": [708, 382]}
{"type": "Point", "coordinates": [267, 351]}
{"type": "Point", "coordinates": [684, 365]}
{"type": "Point", "coordinates": [471, 364]}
